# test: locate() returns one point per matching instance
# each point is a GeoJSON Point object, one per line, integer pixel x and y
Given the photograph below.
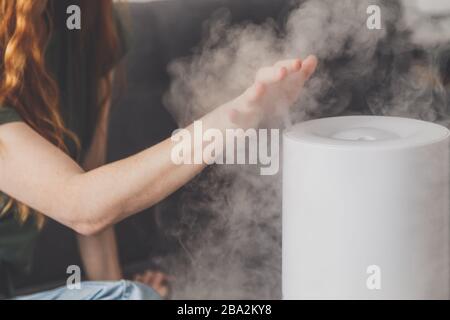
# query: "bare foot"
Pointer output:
{"type": "Point", "coordinates": [156, 280]}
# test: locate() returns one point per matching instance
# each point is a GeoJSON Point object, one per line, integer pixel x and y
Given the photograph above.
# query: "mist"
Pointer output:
{"type": "Point", "coordinates": [229, 229]}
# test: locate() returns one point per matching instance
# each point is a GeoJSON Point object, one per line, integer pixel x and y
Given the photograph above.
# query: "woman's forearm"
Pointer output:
{"type": "Point", "coordinates": [38, 174]}
{"type": "Point", "coordinates": [99, 251]}
{"type": "Point", "coordinates": [100, 256]}
{"type": "Point", "coordinates": [117, 190]}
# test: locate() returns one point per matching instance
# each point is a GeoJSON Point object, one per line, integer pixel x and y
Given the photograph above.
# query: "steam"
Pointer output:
{"type": "Point", "coordinates": [430, 28]}
{"type": "Point", "coordinates": [229, 230]}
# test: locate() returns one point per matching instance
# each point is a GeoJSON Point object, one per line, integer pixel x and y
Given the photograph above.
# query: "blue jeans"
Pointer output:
{"type": "Point", "coordinates": [120, 290]}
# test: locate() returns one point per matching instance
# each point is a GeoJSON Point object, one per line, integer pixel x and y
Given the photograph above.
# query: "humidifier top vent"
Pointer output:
{"type": "Point", "coordinates": [367, 132]}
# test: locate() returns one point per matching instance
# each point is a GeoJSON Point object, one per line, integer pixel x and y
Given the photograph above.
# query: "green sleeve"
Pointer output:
{"type": "Point", "coordinates": [8, 115]}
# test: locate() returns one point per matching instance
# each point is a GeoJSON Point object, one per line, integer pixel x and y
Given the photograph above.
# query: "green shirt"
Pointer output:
{"type": "Point", "coordinates": [72, 68]}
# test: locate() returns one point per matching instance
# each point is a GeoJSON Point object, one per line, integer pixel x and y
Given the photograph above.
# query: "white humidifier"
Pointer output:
{"type": "Point", "coordinates": [366, 209]}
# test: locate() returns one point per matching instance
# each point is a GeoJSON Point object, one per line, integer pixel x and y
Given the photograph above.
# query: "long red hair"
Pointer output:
{"type": "Point", "coordinates": [27, 86]}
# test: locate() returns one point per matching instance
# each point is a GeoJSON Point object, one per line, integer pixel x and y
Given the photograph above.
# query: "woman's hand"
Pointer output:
{"type": "Point", "coordinates": [156, 280]}
{"type": "Point", "coordinates": [274, 91]}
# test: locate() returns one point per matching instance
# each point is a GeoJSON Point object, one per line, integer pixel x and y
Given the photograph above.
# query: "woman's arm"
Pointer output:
{"type": "Point", "coordinates": [38, 174]}
{"type": "Point", "coordinates": [100, 256]}
{"type": "Point", "coordinates": [99, 252]}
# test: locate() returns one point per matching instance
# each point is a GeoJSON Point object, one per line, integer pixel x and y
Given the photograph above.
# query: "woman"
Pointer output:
{"type": "Point", "coordinates": [54, 93]}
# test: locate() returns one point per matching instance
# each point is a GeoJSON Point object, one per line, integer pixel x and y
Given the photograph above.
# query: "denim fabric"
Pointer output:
{"type": "Point", "coordinates": [120, 290]}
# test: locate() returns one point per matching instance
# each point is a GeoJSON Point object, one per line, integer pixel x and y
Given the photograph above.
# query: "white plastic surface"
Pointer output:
{"type": "Point", "coordinates": [366, 201]}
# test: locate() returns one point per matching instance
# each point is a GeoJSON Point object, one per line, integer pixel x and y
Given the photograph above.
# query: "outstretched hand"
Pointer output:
{"type": "Point", "coordinates": [273, 92]}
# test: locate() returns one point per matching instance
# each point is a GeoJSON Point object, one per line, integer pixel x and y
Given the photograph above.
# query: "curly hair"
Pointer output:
{"type": "Point", "coordinates": [27, 86]}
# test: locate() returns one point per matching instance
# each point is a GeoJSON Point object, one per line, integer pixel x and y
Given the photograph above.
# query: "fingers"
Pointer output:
{"type": "Point", "coordinates": [272, 75]}
{"type": "Point", "coordinates": [294, 86]}
{"type": "Point", "coordinates": [308, 67]}
{"type": "Point", "coordinates": [292, 65]}
{"type": "Point", "coordinates": [282, 70]}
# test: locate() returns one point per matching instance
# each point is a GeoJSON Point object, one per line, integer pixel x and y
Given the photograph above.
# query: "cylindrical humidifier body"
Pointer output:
{"type": "Point", "coordinates": [366, 209]}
